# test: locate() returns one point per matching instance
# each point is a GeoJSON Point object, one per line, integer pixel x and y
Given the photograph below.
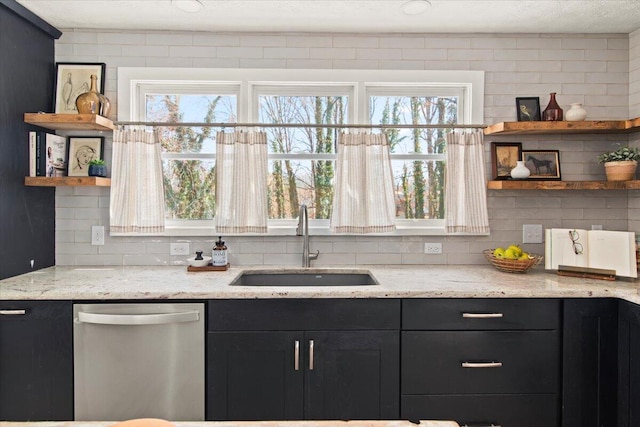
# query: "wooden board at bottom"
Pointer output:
{"type": "Point", "coordinates": [210, 267]}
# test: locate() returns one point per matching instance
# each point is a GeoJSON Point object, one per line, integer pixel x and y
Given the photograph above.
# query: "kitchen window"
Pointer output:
{"type": "Point", "coordinates": [301, 159]}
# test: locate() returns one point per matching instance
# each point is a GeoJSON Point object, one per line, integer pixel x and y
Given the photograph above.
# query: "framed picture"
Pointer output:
{"type": "Point", "coordinates": [73, 79]}
{"type": "Point", "coordinates": [83, 149]}
{"type": "Point", "coordinates": [504, 156]}
{"type": "Point", "coordinates": [543, 164]}
{"type": "Point", "coordinates": [528, 109]}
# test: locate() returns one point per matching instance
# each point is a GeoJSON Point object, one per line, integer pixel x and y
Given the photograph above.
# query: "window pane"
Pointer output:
{"type": "Point", "coordinates": [189, 189]}
{"type": "Point", "coordinates": [294, 182]}
{"type": "Point", "coordinates": [189, 185]}
{"type": "Point", "coordinates": [419, 184]}
{"type": "Point", "coordinates": [421, 110]}
{"type": "Point", "coordinates": [419, 189]}
{"type": "Point", "coordinates": [302, 110]}
{"type": "Point", "coordinates": [190, 108]}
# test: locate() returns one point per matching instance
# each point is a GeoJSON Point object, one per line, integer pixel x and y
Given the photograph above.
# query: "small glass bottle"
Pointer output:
{"type": "Point", "coordinates": [219, 254]}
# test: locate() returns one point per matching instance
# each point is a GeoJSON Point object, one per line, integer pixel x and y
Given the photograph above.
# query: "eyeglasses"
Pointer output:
{"type": "Point", "coordinates": [577, 247]}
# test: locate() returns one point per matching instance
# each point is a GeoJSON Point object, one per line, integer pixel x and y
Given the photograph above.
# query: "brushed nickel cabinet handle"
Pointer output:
{"type": "Point", "coordinates": [482, 315]}
{"type": "Point", "coordinates": [296, 356]}
{"type": "Point", "coordinates": [481, 364]}
{"type": "Point", "coordinates": [480, 425]}
{"type": "Point", "coordinates": [13, 312]}
{"type": "Point", "coordinates": [311, 355]}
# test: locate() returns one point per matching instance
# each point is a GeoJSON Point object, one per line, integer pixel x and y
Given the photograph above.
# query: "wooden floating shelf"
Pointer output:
{"type": "Point", "coordinates": [67, 181]}
{"type": "Point", "coordinates": [69, 121]}
{"type": "Point", "coordinates": [563, 185]}
{"type": "Point", "coordinates": [563, 127]}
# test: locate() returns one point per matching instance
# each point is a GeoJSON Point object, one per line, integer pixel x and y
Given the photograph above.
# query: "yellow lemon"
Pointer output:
{"type": "Point", "coordinates": [516, 249]}
{"type": "Point", "coordinates": [510, 253]}
{"type": "Point", "coordinates": [498, 252]}
{"type": "Point", "coordinates": [524, 256]}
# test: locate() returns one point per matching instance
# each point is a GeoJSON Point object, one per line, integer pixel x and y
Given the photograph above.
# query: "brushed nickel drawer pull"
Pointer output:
{"type": "Point", "coordinates": [482, 364]}
{"type": "Point", "coordinates": [13, 312]}
{"type": "Point", "coordinates": [311, 355]}
{"type": "Point", "coordinates": [482, 315]}
{"type": "Point", "coordinates": [480, 425]}
{"type": "Point", "coordinates": [296, 356]}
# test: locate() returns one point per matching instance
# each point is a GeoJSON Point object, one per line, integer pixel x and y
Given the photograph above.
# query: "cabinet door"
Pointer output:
{"type": "Point", "coordinates": [589, 363]}
{"type": "Point", "coordinates": [36, 363]}
{"type": "Point", "coordinates": [352, 375]}
{"type": "Point", "coordinates": [629, 368]}
{"type": "Point", "coordinates": [252, 376]}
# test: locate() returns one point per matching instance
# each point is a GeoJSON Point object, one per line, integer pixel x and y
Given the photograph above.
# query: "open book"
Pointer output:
{"type": "Point", "coordinates": [611, 250]}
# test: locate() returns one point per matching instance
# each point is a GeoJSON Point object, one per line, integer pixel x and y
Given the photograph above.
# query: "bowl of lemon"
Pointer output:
{"type": "Point", "coordinates": [512, 259]}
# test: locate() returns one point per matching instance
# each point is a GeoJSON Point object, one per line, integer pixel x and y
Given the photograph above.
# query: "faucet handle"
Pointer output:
{"type": "Point", "coordinates": [314, 256]}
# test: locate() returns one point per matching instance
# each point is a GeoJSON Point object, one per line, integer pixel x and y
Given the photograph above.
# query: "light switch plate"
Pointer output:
{"type": "Point", "coordinates": [97, 235]}
{"type": "Point", "coordinates": [532, 233]}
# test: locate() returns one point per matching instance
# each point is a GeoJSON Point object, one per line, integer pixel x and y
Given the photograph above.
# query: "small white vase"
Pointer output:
{"type": "Point", "coordinates": [520, 171]}
{"type": "Point", "coordinates": [576, 113]}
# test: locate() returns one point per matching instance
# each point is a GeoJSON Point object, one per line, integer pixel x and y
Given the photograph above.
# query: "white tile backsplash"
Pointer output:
{"type": "Point", "coordinates": [601, 71]}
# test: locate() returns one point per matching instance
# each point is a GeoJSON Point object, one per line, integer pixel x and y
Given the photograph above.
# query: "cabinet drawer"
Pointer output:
{"type": "Point", "coordinates": [523, 362]}
{"type": "Point", "coordinates": [303, 314]}
{"type": "Point", "coordinates": [480, 314]}
{"type": "Point", "coordinates": [517, 410]}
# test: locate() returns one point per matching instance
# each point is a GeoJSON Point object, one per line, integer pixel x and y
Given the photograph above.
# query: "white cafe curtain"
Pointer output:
{"type": "Point", "coordinates": [241, 182]}
{"type": "Point", "coordinates": [364, 199]}
{"type": "Point", "coordinates": [465, 184]}
{"type": "Point", "coordinates": [137, 193]}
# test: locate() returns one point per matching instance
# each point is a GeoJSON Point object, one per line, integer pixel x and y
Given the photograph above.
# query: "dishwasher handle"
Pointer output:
{"type": "Point", "coordinates": [138, 319]}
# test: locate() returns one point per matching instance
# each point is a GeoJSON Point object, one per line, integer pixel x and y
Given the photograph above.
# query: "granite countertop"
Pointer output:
{"type": "Point", "coordinates": [390, 423]}
{"type": "Point", "coordinates": [175, 282]}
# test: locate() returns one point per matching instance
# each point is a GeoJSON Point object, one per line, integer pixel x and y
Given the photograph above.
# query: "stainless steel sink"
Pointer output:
{"type": "Point", "coordinates": [304, 278]}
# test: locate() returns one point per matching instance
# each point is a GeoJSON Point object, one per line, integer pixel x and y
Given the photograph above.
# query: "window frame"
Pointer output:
{"type": "Point", "coordinates": [248, 84]}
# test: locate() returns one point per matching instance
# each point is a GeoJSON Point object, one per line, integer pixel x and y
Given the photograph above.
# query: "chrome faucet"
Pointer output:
{"type": "Point", "coordinates": [303, 230]}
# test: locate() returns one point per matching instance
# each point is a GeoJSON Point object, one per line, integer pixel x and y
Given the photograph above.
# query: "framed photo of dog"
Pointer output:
{"type": "Point", "coordinates": [543, 164]}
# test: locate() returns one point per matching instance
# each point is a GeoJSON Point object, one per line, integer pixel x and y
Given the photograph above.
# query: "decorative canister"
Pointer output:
{"type": "Point", "coordinates": [576, 113]}
{"type": "Point", "coordinates": [553, 112]}
{"type": "Point", "coordinates": [520, 171]}
{"type": "Point", "coordinates": [89, 102]}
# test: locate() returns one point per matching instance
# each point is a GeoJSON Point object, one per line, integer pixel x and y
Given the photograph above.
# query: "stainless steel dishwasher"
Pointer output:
{"type": "Point", "coordinates": [138, 361]}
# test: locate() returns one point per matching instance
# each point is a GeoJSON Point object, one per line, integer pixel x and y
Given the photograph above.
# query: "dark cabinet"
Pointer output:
{"type": "Point", "coordinates": [481, 361]}
{"type": "Point", "coordinates": [36, 364]}
{"type": "Point", "coordinates": [303, 359]}
{"type": "Point", "coordinates": [589, 379]}
{"type": "Point", "coordinates": [629, 365]}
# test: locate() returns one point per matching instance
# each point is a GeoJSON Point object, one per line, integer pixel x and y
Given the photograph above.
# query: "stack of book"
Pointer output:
{"type": "Point", "coordinates": [47, 154]}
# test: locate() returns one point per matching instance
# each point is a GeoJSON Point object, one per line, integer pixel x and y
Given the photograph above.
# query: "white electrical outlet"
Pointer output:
{"type": "Point", "coordinates": [532, 233]}
{"type": "Point", "coordinates": [433, 248]}
{"type": "Point", "coordinates": [97, 235]}
{"type": "Point", "coordinates": [179, 249]}
{"type": "Point", "coordinates": [596, 227]}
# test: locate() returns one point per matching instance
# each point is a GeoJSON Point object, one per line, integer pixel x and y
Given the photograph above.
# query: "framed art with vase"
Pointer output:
{"type": "Point", "coordinates": [72, 80]}
{"type": "Point", "coordinates": [504, 157]}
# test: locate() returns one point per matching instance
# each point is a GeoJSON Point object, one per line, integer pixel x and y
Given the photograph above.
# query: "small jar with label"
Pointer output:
{"type": "Point", "coordinates": [219, 254]}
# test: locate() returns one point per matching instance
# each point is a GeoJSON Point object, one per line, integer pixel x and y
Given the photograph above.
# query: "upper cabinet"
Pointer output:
{"type": "Point", "coordinates": [69, 121]}
{"type": "Point", "coordinates": [564, 127]}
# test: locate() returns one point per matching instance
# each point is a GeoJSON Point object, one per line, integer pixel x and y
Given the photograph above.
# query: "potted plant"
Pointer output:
{"type": "Point", "coordinates": [97, 167]}
{"type": "Point", "coordinates": [621, 164]}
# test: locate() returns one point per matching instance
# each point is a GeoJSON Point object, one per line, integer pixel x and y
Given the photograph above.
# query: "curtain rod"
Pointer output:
{"type": "Point", "coordinates": [299, 125]}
